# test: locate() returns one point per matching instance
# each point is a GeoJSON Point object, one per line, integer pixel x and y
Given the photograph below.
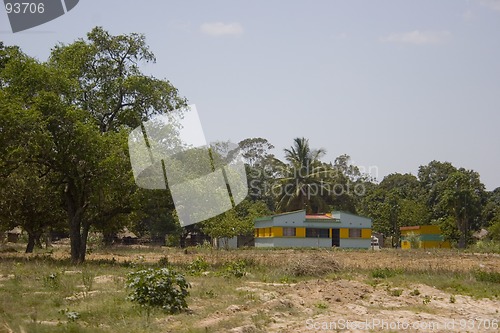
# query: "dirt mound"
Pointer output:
{"type": "Point", "coordinates": [311, 266]}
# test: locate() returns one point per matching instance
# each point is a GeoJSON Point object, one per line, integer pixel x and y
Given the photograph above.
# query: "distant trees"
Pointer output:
{"type": "Point", "coordinates": [442, 194]}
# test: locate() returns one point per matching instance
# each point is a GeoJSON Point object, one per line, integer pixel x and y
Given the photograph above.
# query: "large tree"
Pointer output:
{"type": "Point", "coordinates": [463, 196]}
{"type": "Point", "coordinates": [86, 98]}
{"type": "Point", "coordinates": [301, 182]}
{"type": "Point", "coordinates": [396, 202]}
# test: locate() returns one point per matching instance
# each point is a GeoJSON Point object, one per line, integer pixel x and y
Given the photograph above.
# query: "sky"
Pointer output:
{"type": "Point", "coordinates": [393, 84]}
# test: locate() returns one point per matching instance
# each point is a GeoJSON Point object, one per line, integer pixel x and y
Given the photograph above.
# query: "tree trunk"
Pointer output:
{"type": "Point", "coordinates": [75, 239]}
{"type": "Point", "coordinates": [31, 243]}
{"type": "Point", "coordinates": [33, 238]}
{"type": "Point", "coordinates": [463, 228]}
{"type": "Point", "coordinates": [83, 242]}
{"type": "Point", "coordinates": [75, 207]}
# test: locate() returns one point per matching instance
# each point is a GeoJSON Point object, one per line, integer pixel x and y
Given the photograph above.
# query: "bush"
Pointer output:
{"type": "Point", "coordinates": [483, 276]}
{"type": "Point", "coordinates": [197, 266]}
{"type": "Point", "coordinates": [236, 268]}
{"type": "Point", "coordinates": [158, 288]}
{"type": "Point", "coordinates": [383, 273]}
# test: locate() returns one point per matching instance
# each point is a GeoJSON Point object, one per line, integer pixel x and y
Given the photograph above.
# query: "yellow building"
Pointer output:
{"type": "Point", "coordinates": [423, 237]}
{"type": "Point", "coordinates": [298, 229]}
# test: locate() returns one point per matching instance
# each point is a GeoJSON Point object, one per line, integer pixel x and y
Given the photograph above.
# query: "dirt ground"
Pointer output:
{"type": "Point", "coordinates": [345, 303]}
{"type": "Point", "coordinates": [351, 306]}
{"type": "Point", "coordinates": [340, 305]}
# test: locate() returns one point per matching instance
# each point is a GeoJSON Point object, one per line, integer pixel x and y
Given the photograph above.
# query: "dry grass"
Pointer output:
{"type": "Point", "coordinates": [281, 287]}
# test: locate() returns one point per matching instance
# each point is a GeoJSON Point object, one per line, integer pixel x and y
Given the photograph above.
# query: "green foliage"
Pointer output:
{"type": "Point", "coordinates": [415, 292]}
{"type": "Point", "coordinates": [414, 240]}
{"type": "Point", "coordinates": [493, 277]}
{"type": "Point", "coordinates": [235, 268]}
{"type": "Point", "coordinates": [72, 316]}
{"type": "Point", "coordinates": [198, 266]}
{"type": "Point", "coordinates": [462, 197]}
{"type": "Point", "coordinates": [163, 262]}
{"type": "Point", "coordinates": [66, 121]}
{"type": "Point", "coordinates": [237, 221]}
{"type": "Point", "coordinates": [301, 179]}
{"type": "Point", "coordinates": [52, 280]}
{"type": "Point", "coordinates": [396, 292]}
{"type": "Point", "coordinates": [494, 229]}
{"type": "Point", "coordinates": [158, 288]}
{"type": "Point", "coordinates": [321, 306]}
{"type": "Point", "coordinates": [88, 279]}
{"type": "Point", "coordinates": [485, 246]}
{"type": "Point", "coordinates": [384, 273]}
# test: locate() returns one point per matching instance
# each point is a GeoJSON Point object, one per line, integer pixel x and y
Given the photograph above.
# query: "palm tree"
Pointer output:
{"type": "Point", "coordinates": [301, 183]}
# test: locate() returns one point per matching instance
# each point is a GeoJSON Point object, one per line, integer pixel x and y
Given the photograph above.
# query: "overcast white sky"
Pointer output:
{"type": "Point", "coordinates": [394, 84]}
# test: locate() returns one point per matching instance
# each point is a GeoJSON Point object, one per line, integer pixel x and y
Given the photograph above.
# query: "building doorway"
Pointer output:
{"type": "Point", "coordinates": [336, 237]}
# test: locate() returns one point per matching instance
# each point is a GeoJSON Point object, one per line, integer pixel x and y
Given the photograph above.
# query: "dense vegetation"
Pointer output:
{"type": "Point", "coordinates": [64, 163]}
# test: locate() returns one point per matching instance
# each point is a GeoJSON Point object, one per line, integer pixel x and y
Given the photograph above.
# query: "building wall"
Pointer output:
{"type": "Point", "coordinates": [355, 243]}
{"type": "Point", "coordinates": [293, 242]}
{"type": "Point", "coordinates": [352, 221]}
{"type": "Point", "coordinates": [429, 235]}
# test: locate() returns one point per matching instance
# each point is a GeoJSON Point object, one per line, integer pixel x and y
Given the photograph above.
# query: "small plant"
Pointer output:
{"type": "Point", "coordinates": [158, 288]}
{"type": "Point", "coordinates": [415, 292]}
{"type": "Point", "coordinates": [453, 299]}
{"type": "Point", "coordinates": [236, 268]}
{"type": "Point", "coordinates": [287, 280]}
{"type": "Point", "coordinates": [427, 299]}
{"type": "Point", "coordinates": [88, 279]}
{"type": "Point", "coordinates": [414, 240]}
{"type": "Point", "coordinates": [210, 294]}
{"type": "Point", "coordinates": [51, 281]}
{"type": "Point", "coordinates": [70, 315]}
{"type": "Point", "coordinates": [383, 273]}
{"type": "Point", "coordinates": [198, 266]}
{"type": "Point", "coordinates": [163, 262]}
{"type": "Point", "coordinates": [322, 306]}
{"type": "Point", "coordinates": [396, 292]}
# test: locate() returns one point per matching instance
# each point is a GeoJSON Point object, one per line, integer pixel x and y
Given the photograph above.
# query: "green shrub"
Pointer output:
{"type": "Point", "coordinates": [52, 281]}
{"type": "Point", "coordinates": [485, 246]}
{"type": "Point", "coordinates": [383, 273]}
{"type": "Point", "coordinates": [415, 292]}
{"type": "Point", "coordinates": [158, 288]}
{"type": "Point", "coordinates": [163, 261]}
{"type": "Point", "coordinates": [396, 292]}
{"type": "Point", "coordinates": [197, 266]}
{"type": "Point", "coordinates": [236, 268]}
{"type": "Point", "coordinates": [493, 277]}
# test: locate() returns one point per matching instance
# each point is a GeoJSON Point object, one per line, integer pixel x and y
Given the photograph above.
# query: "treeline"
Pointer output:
{"type": "Point", "coordinates": [440, 193]}
{"type": "Point", "coordinates": [64, 160]}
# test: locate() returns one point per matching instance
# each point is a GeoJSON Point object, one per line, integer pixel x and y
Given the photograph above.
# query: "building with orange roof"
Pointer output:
{"type": "Point", "coordinates": [298, 229]}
